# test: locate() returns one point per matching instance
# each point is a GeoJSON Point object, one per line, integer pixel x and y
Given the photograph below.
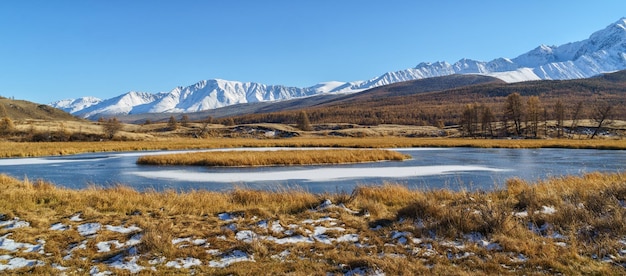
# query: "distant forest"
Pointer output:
{"type": "Point", "coordinates": [478, 109]}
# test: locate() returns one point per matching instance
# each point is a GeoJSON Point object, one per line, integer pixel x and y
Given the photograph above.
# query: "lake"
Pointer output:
{"type": "Point", "coordinates": [430, 168]}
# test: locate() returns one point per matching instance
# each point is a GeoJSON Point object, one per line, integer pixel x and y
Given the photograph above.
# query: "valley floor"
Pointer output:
{"type": "Point", "coordinates": [569, 225]}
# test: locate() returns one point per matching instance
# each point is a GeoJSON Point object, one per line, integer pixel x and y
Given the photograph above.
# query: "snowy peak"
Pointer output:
{"type": "Point", "coordinates": [611, 37]}
{"type": "Point", "coordinates": [75, 105]}
{"type": "Point", "coordinates": [538, 56]}
{"type": "Point", "coordinates": [609, 41]}
{"type": "Point", "coordinates": [604, 51]}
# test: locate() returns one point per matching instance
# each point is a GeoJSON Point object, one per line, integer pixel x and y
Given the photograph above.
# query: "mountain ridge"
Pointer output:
{"type": "Point", "coordinates": [604, 51]}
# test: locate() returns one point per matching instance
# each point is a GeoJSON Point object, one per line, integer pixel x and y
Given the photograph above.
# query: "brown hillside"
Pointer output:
{"type": "Point", "coordinates": [405, 103]}
{"type": "Point", "coordinates": [25, 110]}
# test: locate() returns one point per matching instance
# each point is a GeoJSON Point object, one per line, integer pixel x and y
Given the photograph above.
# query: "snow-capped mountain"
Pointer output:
{"type": "Point", "coordinates": [75, 105]}
{"type": "Point", "coordinates": [604, 51]}
{"type": "Point", "coordinates": [204, 95]}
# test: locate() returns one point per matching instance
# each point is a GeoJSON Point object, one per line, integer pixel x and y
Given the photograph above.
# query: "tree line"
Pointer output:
{"type": "Point", "coordinates": [528, 117]}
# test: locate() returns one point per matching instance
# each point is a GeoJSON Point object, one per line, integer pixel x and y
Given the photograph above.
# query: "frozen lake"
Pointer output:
{"type": "Point", "coordinates": [430, 168]}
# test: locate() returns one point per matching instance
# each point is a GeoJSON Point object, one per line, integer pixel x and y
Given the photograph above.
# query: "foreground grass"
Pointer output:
{"type": "Point", "coordinates": [27, 149]}
{"type": "Point", "coordinates": [568, 225]}
{"type": "Point", "coordinates": [272, 158]}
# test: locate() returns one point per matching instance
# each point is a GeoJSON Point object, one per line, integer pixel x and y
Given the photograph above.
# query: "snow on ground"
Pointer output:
{"type": "Point", "coordinates": [11, 245]}
{"type": "Point", "coordinates": [184, 263]}
{"type": "Point", "coordinates": [76, 217]}
{"type": "Point", "coordinates": [122, 229]}
{"type": "Point", "coordinates": [546, 210]}
{"type": "Point", "coordinates": [364, 271]}
{"type": "Point", "coordinates": [17, 263]}
{"type": "Point", "coordinates": [13, 224]}
{"type": "Point", "coordinates": [231, 258]}
{"type": "Point", "coordinates": [89, 229]}
{"type": "Point", "coordinates": [324, 226]}
{"type": "Point", "coordinates": [130, 263]}
{"type": "Point", "coordinates": [59, 227]}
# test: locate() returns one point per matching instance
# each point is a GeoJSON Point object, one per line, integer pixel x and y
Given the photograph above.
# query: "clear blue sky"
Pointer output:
{"type": "Point", "coordinates": [52, 50]}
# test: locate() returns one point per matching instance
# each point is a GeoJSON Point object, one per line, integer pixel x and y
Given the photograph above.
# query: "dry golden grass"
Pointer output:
{"type": "Point", "coordinates": [272, 158]}
{"type": "Point", "coordinates": [27, 149]}
{"type": "Point", "coordinates": [587, 227]}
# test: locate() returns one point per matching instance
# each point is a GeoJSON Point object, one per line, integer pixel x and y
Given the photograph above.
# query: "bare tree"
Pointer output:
{"type": "Point", "coordinates": [111, 127]}
{"type": "Point", "coordinates": [184, 121]}
{"type": "Point", "coordinates": [486, 121]}
{"type": "Point", "coordinates": [172, 124]}
{"type": "Point", "coordinates": [533, 114]}
{"type": "Point", "coordinates": [559, 115]}
{"type": "Point", "coordinates": [602, 113]}
{"type": "Point", "coordinates": [576, 114]}
{"type": "Point", "coordinates": [469, 120]}
{"type": "Point", "coordinates": [513, 111]}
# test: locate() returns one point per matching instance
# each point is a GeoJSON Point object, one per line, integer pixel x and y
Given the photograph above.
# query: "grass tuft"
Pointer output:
{"type": "Point", "coordinates": [271, 158]}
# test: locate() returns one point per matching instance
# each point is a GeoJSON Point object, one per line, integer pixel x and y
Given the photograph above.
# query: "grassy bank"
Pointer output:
{"type": "Point", "coordinates": [28, 149]}
{"type": "Point", "coordinates": [272, 158]}
{"type": "Point", "coordinates": [568, 225]}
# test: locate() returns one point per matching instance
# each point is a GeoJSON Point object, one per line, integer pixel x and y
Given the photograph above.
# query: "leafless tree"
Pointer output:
{"type": "Point", "coordinates": [184, 121]}
{"type": "Point", "coordinates": [486, 121]}
{"type": "Point", "coordinates": [533, 113]}
{"type": "Point", "coordinates": [576, 115]}
{"type": "Point", "coordinates": [172, 124]}
{"type": "Point", "coordinates": [111, 127]}
{"type": "Point", "coordinates": [559, 115]}
{"type": "Point", "coordinates": [469, 119]}
{"type": "Point", "coordinates": [602, 114]}
{"type": "Point", "coordinates": [513, 111]}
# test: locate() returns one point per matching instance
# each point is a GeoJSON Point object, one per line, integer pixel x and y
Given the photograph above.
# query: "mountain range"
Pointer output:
{"type": "Point", "coordinates": [604, 51]}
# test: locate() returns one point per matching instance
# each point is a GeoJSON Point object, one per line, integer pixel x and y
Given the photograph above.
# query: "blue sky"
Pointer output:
{"type": "Point", "coordinates": [52, 50]}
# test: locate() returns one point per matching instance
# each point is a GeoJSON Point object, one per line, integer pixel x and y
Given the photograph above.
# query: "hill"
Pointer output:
{"type": "Point", "coordinates": [410, 103]}
{"type": "Point", "coordinates": [24, 110]}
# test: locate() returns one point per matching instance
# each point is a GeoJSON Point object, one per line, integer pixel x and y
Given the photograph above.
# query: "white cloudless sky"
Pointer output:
{"type": "Point", "coordinates": [53, 50]}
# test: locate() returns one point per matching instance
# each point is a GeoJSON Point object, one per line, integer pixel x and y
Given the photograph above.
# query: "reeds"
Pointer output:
{"type": "Point", "coordinates": [29, 149]}
{"type": "Point", "coordinates": [567, 225]}
{"type": "Point", "coordinates": [272, 158]}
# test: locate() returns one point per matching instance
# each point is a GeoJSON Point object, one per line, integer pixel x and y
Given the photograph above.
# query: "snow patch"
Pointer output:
{"type": "Point", "coordinates": [290, 240]}
{"type": "Point", "coordinates": [15, 223]}
{"type": "Point", "coordinates": [479, 239]}
{"type": "Point", "coordinates": [76, 218]}
{"type": "Point", "coordinates": [184, 263]}
{"type": "Point", "coordinates": [89, 229]}
{"type": "Point", "coordinates": [246, 236]}
{"type": "Point", "coordinates": [359, 271]}
{"type": "Point", "coordinates": [17, 263]}
{"type": "Point", "coordinates": [122, 230]}
{"type": "Point", "coordinates": [231, 258]}
{"type": "Point", "coordinates": [13, 246]}
{"type": "Point", "coordinates": [179, 240]}
{"type": "Point", "coordinates": [59, 227]}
